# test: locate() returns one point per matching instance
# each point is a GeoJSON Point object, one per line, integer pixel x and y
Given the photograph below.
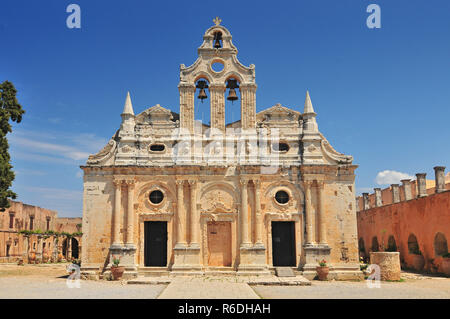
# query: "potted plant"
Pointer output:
{"type": "Point", "coordinates": [322, 270]}
{"type": "Point", "coordinates": [32, 257]}
{"type": "Point", "coordinates": [116, 270]}
{"type": "Point", "coordinates": [446, 264]}
{"type": "Point", "coordinates": [418, 261]}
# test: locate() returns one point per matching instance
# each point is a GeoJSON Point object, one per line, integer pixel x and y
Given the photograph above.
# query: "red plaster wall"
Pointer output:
{"type": "Point", "coordinates": [423, 217]}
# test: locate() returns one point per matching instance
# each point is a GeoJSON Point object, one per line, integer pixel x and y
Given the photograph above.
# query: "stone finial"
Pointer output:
{"type": "Point", "coordinates": [421, 184]}
{"type": "Point", "coordinates": [366, 201]}
{"type": "Point", "coordinates": [128, 107]}
{"type": "Point", "coordinates": [439, 175]}
{"type": "Point", "coordinates": [308, 105]}
{"type": "Point", "coordinates": [378, 199]}
{"type": "Point", "coordinates": [395, 193]}
{"type": "Point", "coordinates": [217, 21]}
{"type": "Point", "coordinates": [406, 184]}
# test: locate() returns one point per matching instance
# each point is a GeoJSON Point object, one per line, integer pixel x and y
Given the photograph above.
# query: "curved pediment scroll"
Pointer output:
{"type": "Point", "coordinates": [334, 155]}
{"type": "Point", "coordinates": [105, 154]}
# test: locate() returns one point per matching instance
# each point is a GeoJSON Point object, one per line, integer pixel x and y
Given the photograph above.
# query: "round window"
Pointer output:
{"type": "Point", "coordinates": [217, 66]}
{"type": "Point", "coordinates": [282, 197]}
{"type": "Point", "coordinates": [156, 197]}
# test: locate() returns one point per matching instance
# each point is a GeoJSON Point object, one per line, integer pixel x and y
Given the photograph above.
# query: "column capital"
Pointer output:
{"type": "Point", "coordinates": [320, 183]}
{"type": "Point", "coordinates": [192, 182]}
{"type": "Point", "coordinates": [186, 86]}
{"type": "Point", "coordinates": [244, 181]}
{"type": "Point", "coordinates": [257, 183]}
{"type": "Point", "coordinates": [307, 183]}
{"type": "Point", "coordinates": [117, 182]}
{"type": "Point", "coordinates": [130, 182]}
{"type": "Point", "coordinates": [179, 182]}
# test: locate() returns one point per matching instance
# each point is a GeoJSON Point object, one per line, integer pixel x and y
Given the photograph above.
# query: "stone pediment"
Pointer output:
{"type": "Point", "coordinates": [278, 112]}
{"type": "Point", "coordinates": [156, 114]}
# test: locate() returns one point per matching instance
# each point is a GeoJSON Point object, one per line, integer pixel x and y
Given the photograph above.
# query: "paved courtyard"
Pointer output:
{"type": "Point", "coordinates": [48, 281]}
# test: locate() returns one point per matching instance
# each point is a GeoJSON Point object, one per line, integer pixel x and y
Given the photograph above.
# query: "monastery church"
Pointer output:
{"type": "Point", "coordinates": [171, 195]}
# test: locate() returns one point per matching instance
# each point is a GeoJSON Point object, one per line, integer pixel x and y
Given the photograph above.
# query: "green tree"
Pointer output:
{"type": "Point", "coordinates": [10, 109]}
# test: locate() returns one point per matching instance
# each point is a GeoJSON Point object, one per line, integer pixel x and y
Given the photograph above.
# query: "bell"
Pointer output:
{"type": "Point", "coordinates": [232, 85]}
{"type": "Point", "coordinates": [232, 95]}
{"type": "Point", "coordinates": [202, 95]}
{"type": "Point", "coordinates": [202, 85]}
{"type": "Point", "coordinates": [217, 38]}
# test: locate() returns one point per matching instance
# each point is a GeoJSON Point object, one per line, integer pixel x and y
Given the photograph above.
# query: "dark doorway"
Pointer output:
{"type": "Point", "coordinates": [283, 243]}
{"type": "Point", "coordinates": [74, 248]}
{"type": "Point", "coordinates": [155, 244]}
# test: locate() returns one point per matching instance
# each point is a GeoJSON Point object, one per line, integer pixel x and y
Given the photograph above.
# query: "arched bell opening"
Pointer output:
{"type": "Point", "coordinates": [217, 41]}
{"type": "Point", "coordinates": [202, 94]}
{"type": "Point", "coordinates": [232, 100]}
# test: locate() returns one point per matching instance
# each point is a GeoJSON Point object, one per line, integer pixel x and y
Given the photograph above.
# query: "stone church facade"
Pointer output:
{"type": "Point", "coordinates": [169, 194]}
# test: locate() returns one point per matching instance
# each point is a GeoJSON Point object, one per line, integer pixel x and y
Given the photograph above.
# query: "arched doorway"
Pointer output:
{"type": "Point", "coordinates": [65, 248]}
{"type": "Point", "coordinates": [375, 245]}
{"type": "Point", "coordinates": [440, 245]}
{"type": "Point", "coordinates": [413, 245]}
{"type": "Point", "coordinates": [392, 246]}
{"type": "Point", "coordinates": [75, 248]}
{"type": "Point", "coordinates": [362, 248]}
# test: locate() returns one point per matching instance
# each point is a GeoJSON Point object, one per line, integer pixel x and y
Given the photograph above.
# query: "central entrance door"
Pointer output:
{"type": "Point", "coordinates": [155, 245]}
{"type": "Point", "coordinates": [283, 243]}
{"type": "Point", "coordinates": [219, 244]}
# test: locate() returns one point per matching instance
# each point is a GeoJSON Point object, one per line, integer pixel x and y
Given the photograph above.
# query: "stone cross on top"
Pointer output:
{"type": "Point", "coordinates": [217, 20]}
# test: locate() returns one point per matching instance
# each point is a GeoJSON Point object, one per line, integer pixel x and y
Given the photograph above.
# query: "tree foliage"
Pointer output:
{"type": "Point", "coordinates": [10, 110]}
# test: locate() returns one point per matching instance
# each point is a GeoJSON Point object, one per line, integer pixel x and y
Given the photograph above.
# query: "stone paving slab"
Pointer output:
{"type": "Point", "coordinates": [207, 288]}
{"type": "Point", "coordinates": [250, 280]}
{"type": "Point", "coordinates": [150, 281]}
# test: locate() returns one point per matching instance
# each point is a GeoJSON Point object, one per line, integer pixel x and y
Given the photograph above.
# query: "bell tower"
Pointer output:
{"type": "Point", "coordinates": [217, 49]}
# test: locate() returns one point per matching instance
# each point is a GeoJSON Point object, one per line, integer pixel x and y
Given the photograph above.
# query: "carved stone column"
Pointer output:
{"type": "Point", "coordinates": [309, 214]}
{"type": "Point", "coordinates": [217, 106]}
{"type": "Point", "coordinates": [259, 219]}
{"type": "Point", "coordinates": [181, 215]}
{"type": "Point", "coordinates": [130, 213]}
{"type": "Point", "coordinates": [116, 218]}
{"type": "Point", "coordinates": [248, 105]}
{"type": "Point", "coordinates": [195, 220]}
{"type": "Point", "coordinates": [322, 219]}
{"type": "Point", "coordinates": [187, 98]}
{"type": "Point", "coordinates": [245, 240]}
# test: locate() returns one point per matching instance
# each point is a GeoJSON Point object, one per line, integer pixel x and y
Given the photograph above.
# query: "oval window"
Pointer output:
{"type": "Point", "coordinates": [156, 197]}
{"type": "Point", "coordinates": [282, 197]}
{"type": "Point", "coordinates": [281, 147]}
{"type": "Point", "coordinates": [217, 66]}
{"type": "Point", "coordinates": [157, 148]}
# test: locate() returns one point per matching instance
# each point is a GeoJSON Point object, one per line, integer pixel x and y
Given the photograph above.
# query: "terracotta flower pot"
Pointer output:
{"type": "Point", "coordinates": [445, 266]}
{"type": "Point", "coordinates": [322, 272]}
{"type": "Point", "coordinates": [117, 272]}
{"type": "Point", "coordinates": [418, 262]}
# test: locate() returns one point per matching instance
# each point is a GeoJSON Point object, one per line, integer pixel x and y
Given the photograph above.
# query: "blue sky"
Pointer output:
{"type": "Point", "coordinates": [381, 95]}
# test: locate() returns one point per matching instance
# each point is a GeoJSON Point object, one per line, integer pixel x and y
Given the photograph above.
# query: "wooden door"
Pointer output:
{"type": "Point", "coordinates": [155, 246]}
{"type": "Point", "coordinates": [219, 244]}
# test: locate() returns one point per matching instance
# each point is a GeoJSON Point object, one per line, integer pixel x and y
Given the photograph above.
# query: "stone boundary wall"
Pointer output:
{"type": "Point", "coordinates": [421, 223]}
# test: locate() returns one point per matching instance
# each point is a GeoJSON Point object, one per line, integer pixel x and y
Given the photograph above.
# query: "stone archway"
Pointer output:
{"type": "Point", "coordinates": [375, 245]}
{"type": "Point", "coordinates": [440, 245]}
